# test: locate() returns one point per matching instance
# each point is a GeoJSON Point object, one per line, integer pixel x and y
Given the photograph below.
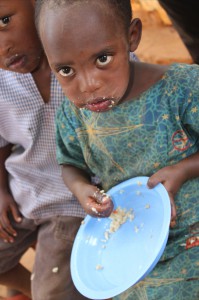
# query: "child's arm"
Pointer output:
{"type": "Point", "coordinates": [94, 202]}
{"type": "Point", "coordinates": [7, 203]}
{"type": "Point", "coordinates": [173, 177]}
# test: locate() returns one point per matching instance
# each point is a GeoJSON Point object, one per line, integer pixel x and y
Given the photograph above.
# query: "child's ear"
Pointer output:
{"type": "Point", "coordinates": [135, 33]}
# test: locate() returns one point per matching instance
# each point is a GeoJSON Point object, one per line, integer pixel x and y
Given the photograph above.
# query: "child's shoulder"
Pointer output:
{"type": "Point", "coordinates": [151, 78]}
{"type": "Point", "coordinates": [154, 72]}
{"type": "Point", "coordinates": [181, 70]}
{"type": "Point", "coordinates": [148, 75]}
{"type": "Point", "coordinates": [182, 76]}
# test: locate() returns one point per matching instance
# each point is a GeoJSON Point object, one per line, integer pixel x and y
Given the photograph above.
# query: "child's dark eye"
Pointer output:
{"type": "Point", "coordinates": [4, 21]}
{"type": "Point", "coordinates": [66, 71]}
{"type": "Point", "coordinates": [104, 60]}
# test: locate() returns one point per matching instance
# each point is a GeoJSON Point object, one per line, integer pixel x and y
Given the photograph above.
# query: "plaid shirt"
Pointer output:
{"type": "Point", "coordinates": [28, 122]}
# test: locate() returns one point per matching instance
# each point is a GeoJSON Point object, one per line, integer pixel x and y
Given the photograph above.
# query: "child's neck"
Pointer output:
{"type": "Point", "coordinates": [144, 76]}
{"type": "Point", "coordinates": [42, 78]}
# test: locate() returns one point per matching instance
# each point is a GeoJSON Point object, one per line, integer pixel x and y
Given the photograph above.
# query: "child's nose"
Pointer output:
{"type": "Point", "coordinates": [88, 83]}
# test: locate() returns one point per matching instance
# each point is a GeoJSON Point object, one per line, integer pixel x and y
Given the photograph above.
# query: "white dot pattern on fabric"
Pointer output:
{"type": "Point", "coordinates": [28, 123]}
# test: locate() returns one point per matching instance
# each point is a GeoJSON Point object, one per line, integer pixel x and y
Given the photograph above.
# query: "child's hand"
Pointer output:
{"type": "Point", "coordinates": [7, 205]}
{"type": "Point", "coordinates": [98, 204]}
{"type": "Point", "coordinates": [95, 202]}
{"type": "Point", "coordinates": [172, 178]}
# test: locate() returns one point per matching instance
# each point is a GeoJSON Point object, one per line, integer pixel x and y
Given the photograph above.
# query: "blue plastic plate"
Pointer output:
{"type": "Point", "coordinates": [132, 251]}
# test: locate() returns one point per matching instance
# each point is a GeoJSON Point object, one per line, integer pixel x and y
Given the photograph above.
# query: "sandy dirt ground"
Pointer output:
{"type": "Point", "coordinates": [160, 44]}
{"type": "Point", "coordinates": [27, 260]}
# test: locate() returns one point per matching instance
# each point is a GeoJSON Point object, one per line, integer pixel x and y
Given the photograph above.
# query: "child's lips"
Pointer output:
{"type": "Point", "coordinates": [16, 62]}
{"type": "Point", "coordinates": [100, 105]}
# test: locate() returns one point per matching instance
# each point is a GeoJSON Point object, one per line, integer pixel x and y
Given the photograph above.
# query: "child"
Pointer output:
{"type": "Point", "coordinates": [126, 119]}
{"type": "Point", "coordinates": [35, 205]}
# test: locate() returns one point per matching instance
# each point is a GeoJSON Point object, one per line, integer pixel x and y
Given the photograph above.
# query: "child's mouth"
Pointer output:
{"type": "Point", "coordinates": [100, 105]}
{"type": "Point", "coordinates": [16, 62]}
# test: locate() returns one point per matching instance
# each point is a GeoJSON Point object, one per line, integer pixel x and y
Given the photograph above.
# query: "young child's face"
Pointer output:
{"type": "Point", "coordinates": [20, 48]}
{"type": "Point", "coordinates": [88, 50]}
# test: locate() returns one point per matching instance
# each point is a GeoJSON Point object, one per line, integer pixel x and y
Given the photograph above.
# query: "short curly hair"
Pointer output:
{"type": "Point", "coordinates": [122, 8]}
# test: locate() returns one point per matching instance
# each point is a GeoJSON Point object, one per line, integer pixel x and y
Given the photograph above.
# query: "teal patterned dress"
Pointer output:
{"type": "Point", "coordinates": [137, 138]}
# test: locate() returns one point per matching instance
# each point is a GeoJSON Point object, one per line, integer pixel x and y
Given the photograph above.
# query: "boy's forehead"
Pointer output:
{"type": "Point", "coordinates": [70, 6]}
{"type": "Point", "coordinates": [72, 31]}
{"type": "Point", "coordinates": [53, 4]}
{"type": "Point", "coordinates": [91, 16]}
{"type": "Point", "coordinates": [118, 8]}
{"type": "Point", "coordinates": [69, 11]}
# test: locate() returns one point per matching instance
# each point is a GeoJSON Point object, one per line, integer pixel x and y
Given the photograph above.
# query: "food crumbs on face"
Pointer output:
{"type": "Point", "coordinates": [55, 270]}
{"type": "Point", "coordinates": [99, 267]}
{"type": "Point", "coordinates": [147, 206]}
{"type": "Point", "coordinates": [32, 276]}
{"type": "Point", "coordinates": [121, 192]}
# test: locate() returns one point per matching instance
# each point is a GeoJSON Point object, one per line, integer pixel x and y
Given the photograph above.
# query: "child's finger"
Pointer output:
{"type": "Point", "coordinates": [5, 236]}
{"type": "Point", "coordinates": [6, 226]}
{"type": "Point", "coordinates": [106, 208]}
{"type": "Point", "coordinates": [15, 214]}
{"type": "Point", "coordinates": [100, 210]}
{"type": "Point", "coordinates": [172, 224]}
{"type": "Point", "coordinates": [173, 211]}
{"type": "Point", "coordinates": [100, 196]}
{"type": "Point", "coordinates": [153, 181]}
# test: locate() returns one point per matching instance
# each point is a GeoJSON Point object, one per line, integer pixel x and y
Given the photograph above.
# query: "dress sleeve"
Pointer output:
{"type": "Point", "coordinates": [190, 107]}
{"type": "Point", "coordinates": [68, 148]}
